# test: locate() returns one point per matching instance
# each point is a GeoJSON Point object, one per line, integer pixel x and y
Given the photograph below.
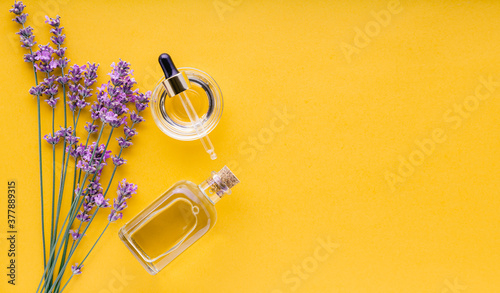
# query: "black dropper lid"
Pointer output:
{"type": "Point", "coordinates": [167, 65]}
{"type": "Point", "coordinates": [175, 82]}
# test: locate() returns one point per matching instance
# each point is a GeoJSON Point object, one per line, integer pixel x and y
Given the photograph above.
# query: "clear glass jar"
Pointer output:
{"type": "Point", "coordinates": [204, 94]}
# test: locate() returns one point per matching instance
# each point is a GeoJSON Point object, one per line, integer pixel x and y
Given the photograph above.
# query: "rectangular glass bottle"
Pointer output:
{"type": "Point", "coordinates": [175, 220]}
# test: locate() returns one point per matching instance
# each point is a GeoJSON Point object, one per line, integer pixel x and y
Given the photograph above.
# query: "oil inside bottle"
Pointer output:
{"type": "Point", "coordinates": [168, 227]}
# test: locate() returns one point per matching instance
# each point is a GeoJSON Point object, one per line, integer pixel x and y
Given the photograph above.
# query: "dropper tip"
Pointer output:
{"type": "Point", "coordinates": [167, 65]}
{"type": "Point", "coordinates": [213, 156]}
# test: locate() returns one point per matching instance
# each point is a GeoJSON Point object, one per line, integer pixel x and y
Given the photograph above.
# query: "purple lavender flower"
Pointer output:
{"type": "Point", "coordinates": [76, 72]}
{"type": "Point", "coordinates": [114, 216]}
{"type": "Point", "coordinates": [82, 216]}
{"type": "Point", "coordinates": [29, 57]}
{"type": "Point", "coordinates": [21, 19]}
{"type": "Point", "coordinates": [73, 88]}
{"type": "Point", "coordinates": [51, 90]}
{"type": "Point", "coordinates": [55, 22]}
{"type": "Point", "coordinates": [45, 67]}
{"type": "Point", "coordinates": [120, 70]}
{"type": "Point", "coordinates": [142, 101]}
{"type": "Point", "coordinates": [95, 110]}
{"type": "Point", "coordinates": [84, 92]}
{"type": "Point", "coordinates": [129, 132]}
{"type": "Point", "coordinates": [52, 140]}
{"type": "Point", "coordinates": [54, 63]}
{"type": "Point", "coordinates": [61, 62]}
{"type": "Point", "coordinates": [56, 31]}
{"type": "Point", "coordinates": [88, 205]}
{"type": "Point", "coordinates": [17, 8]}
{"type": "Point", "coordinates": [91, 74]}
{"type": "Point", "coordinates": [75, 151]}
{"type": "Point", "coordinates": [27, 43]}
{"type": "Point", "coordinates": [62, 80]}
{"type": "Point", "coordinates": [76, 269]}
{"type": "Point", "coordinates": [118, 161]}
{"type": "Point", "coordinates": [73, 94]}
{"type": "Point", "coordinates": [127, 85]}
{"type": "Point", "coordinates": [108, 117]}
{"type": "Point", "coordinates": [124, 142]}
{"type": "Point", "coordinates": [125, 191]}
{"type": "Point", "coordinates": [72, 139]}
{"type": "Point", "coordinates": [86, 167]}
{"type": "Point", "coordinates": [25, 32]}
{"type": "Point", "coordinates": [94, 187]}
{"type": "Point", "coordinates": [80, 103]}
{"type": "Point", "coordinates": [52, 101]}
{"type": "Point", "coordinates": [36, 90]}
{"type": "Point", "coordinates": [118, 122]}
{"type": "Point", "coordinates": [65, 132]}
{"type": "Point", "coordinates": [101, 91]}
{"type": "Point", "coordinates": [72, 105]}
{"type": "Point", "coordinates": [119, 206]}
{"type": "Point", "coordinates": [60, 52]}
{"type": "Point", "coordinates": [97, 163]}
{"type": "Point", "coordinates": [118, 106]}
{"type": "Point", "coordinates": [75, 235]}
{"type": "Point", "coordinates": [48, 81]}
{"type": "Point", "coordinates": [77, 189]}
{"type": "Point", "coordinates": [135, 118]}
{"type": "Point", "coordinates": [58, 40]}
{"type": "Point", "coordinates": [123, 67]}
{"type": "Point", "coordinates": [44, 54]}
{"type": "Point", "coordinates": [115, 77]}
{"type": "Point", "coordinates": [27, 39]}
{"type": "Point", "coordinates": [113, 91]}
{"type": "Point", "coordinates": [90, 127]}
{"type": "Point", "coordinates": [101, 202]}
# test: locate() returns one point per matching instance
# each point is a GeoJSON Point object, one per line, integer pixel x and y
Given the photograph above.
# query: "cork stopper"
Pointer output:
{"type": "Point", "coordinates": [227, 177]}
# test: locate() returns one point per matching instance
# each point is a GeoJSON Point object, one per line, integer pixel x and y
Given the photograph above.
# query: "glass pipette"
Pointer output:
{"type": "Point", "coordinates": [176, 83]}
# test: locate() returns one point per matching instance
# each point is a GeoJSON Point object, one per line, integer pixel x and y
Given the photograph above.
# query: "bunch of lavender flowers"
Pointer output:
{"type": "Point", "coordinates": [111, 109]}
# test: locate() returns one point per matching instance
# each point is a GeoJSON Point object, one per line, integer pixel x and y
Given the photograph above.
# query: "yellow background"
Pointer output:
{"type": "Point", "coordinates": [321, 177]}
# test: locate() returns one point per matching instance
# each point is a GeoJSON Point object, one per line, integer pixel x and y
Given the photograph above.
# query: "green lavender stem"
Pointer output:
{"type": "Point", "coordinates": [41, 176]}
{"type": "Point", "coordinates": [40, 161]}
{"type": "Point", "coordinates": [67, 282]}
{"type": "Point", "coordinates": [52, 232]}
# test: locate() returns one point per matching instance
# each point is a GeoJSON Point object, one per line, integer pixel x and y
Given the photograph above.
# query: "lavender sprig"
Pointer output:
{"type": "Point", "coordinates": [28, 41]}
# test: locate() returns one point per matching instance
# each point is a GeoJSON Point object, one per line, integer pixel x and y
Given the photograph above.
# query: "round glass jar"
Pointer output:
{"type": "Point", "coordinates": [204, 94]}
